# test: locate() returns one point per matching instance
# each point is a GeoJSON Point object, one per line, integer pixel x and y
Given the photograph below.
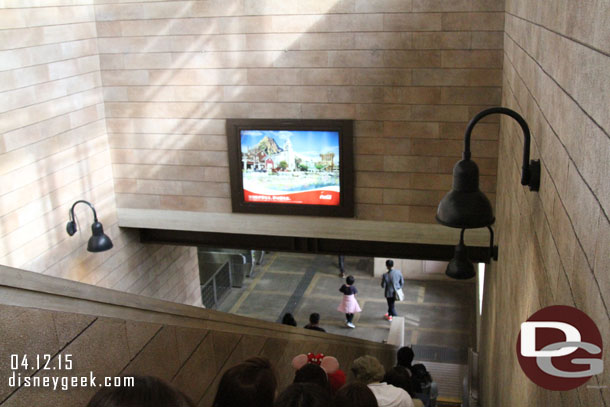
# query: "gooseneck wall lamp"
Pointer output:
{"type": "Point", "coordinates": [99, 241]}
{"type": "Point", "coordinates": [466, 207]}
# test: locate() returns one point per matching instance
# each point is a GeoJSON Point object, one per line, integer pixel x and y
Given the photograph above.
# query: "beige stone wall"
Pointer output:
{"type": "Point", "coordinates": [109, 333]}
{"type": "Point", "coordinates": [54, 150]}
{"type": "Point", "coordinates": [411, 73]}
{"type": "Point", "coordinates": [553, 243]}
{"type": "Point", "coordinates": [192, 359]}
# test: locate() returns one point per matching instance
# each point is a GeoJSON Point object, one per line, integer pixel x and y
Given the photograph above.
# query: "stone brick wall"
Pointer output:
{"type": "Point", "coordinates": [54, 150]}
{"type": "Point", "coordinates": [109, 333]}
{"type": "Point", "coordinates": [410, 73]}
{"type": "Point", "coordinates": [553, 243]}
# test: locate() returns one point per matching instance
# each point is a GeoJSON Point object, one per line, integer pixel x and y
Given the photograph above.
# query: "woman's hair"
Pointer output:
{"type": "Point", "coordinates": [288, 319]}
{"type": "Point", "coordinates": [303, 395]}
{"type": "Point", "coordinates": [399, 377]}
{"type": "Point", "coordinates": [312, 373]}
{"type": "Point", "coordinates": [147, 391]}
{"type": "Point", "coordinates": [250, 383]}
{"type": "Point", "coordinates": [355, 394]}
{"type": "Point", "coordinates": [367, 369]}
{"type": "Point", "coordinates": [350, 280]}
{"type": "Point", "coordinates": [404, 356]}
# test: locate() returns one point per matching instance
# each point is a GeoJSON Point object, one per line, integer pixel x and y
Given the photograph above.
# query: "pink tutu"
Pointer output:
{"type": "Point", "coordinates": [349, 305]}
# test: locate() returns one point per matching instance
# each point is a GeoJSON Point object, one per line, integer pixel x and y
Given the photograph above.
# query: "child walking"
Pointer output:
{"type": "Point", "coordinates": [349, 305]}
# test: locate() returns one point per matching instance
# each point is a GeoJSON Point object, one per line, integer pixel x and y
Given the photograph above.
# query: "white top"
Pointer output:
{"type": "Point", "coordinates": [390, 396]}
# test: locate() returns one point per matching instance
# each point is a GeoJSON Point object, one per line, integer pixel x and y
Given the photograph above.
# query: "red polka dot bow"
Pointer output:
{"type": "Point", "coordinates": [315, 359]}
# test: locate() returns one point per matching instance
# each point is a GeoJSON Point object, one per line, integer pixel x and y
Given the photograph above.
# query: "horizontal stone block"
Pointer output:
{"type": "Point", "coordinates": [383, 112]}
{"type": "Point", "coordinates": [368, 195]}
{"type": "Point", "coordinates": [383, 6]}
{"type": "Point", "coordinates": [457, 77]}
{"type": "Point", "coordinates": [412, 95]}
{"type": "Point", "coordinates": [493, 21]}
{"type": "Point", "coordinates": [412, 22]}
{"type": "Point", "coordinates": [410, 164]}
{"type": "Point", "coordinates": [471, 95]}
{"type": "Point", "coordinates": [382, 40]}
{"type": "Point", "coordinates": [387, 77]}
{"type": "Point", "coordinates": [420, 6]}
{"type": "Point", "coordinates": [411, 129]}
{"type": "Point", "coordinates": [442, 40]}
{"type": "Point", "coordinates": [412, 197]}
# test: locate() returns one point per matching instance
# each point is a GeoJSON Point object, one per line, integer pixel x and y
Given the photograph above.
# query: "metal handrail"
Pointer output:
{"type": "Point", "coordinates": [225, 266]}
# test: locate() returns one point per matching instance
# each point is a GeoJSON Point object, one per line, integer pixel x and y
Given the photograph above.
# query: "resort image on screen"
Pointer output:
{"type": "Point", "coordinates": [290, 166]}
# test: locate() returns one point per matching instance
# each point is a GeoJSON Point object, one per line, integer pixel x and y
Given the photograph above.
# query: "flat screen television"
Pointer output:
{"type": "Point", "coordinates": [291, 167]}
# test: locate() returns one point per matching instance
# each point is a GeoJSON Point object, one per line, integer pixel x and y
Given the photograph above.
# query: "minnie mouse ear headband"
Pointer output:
{"type": "Point", "coordinates": [328, 363]}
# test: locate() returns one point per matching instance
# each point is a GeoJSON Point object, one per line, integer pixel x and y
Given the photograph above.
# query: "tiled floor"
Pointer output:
{"type": "Point", "coordinates": [437, 313]}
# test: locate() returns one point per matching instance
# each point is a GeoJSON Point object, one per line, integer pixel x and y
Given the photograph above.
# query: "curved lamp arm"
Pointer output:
{"type": "Point", "coordinates": [530, 174]}
{"type": "Point", "coordinates": [71, 227]}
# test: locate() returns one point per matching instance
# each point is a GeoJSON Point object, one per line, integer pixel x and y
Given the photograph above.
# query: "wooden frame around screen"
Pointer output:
{"type": "Point", "coordinates": [346, 166]}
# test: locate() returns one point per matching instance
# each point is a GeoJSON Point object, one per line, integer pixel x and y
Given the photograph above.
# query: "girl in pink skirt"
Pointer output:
{"type": "Point", "coordinates": [349, 305]}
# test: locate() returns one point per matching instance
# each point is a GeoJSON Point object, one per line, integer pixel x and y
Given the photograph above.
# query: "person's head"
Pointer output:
{"type": "Point", "coordinates": [399, 377]}
{"type": "Point", "coordinates": [303, 395]}
{"type": "Point", "coordinates": [355, 394]}
{"type": "Point", "coordinates": [250, 383]}
{"type": "Point", "coordinates": [350, 280]}
{"type": "Point", "coordinates": [147, 391]}
{"type": "Point", "coordinates": [420, 373]}
{"type": "Point", "coordinates": [389, 264]}
{"type": "Point", "coordinates": [314, 318]}
{"type": "Point", "coordinates": [367, 369]}
{"type": "Point", "coordinates": [405, 356]}
{"type": "Point", "coordinates": [312, 373]}
{"type": "Point", "coordinates": [288, 319]}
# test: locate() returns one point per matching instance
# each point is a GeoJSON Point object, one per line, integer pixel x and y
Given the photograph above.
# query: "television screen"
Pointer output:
{"type": "Point", "coordinates": [278, 166]}
{"type": "Point", "coordinates": [291, 166]}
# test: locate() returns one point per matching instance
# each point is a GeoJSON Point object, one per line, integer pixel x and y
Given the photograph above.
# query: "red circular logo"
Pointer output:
{"type": "Point", "coordinates": [560, 348]}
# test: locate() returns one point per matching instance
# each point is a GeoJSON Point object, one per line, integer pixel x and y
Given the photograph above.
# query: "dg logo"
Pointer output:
{"type": "Point", "coordinates": [560, 348]}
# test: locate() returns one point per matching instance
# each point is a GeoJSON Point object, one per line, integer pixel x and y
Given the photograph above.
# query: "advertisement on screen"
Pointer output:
{"type": "Point", "coordinates": [291, 166]}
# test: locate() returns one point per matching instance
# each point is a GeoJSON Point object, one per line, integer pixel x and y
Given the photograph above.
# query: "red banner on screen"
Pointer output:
{"type": "Point", "coordinates": [315, 197]}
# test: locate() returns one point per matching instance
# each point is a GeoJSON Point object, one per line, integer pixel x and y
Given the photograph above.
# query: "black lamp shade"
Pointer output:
{"type": "Point", "coordinates": [465, 206]}
{"type": "Point", "coordinates": [460, 267]}
{"type": "Point", "coordinates": [99, 241]}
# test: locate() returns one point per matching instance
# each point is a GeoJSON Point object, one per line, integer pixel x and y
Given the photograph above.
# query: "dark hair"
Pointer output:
{"type": "Point", "coordinates": [250, 383]}
{"type": "Point", "coordinates": [147, 391]}
{"type": "Point", "coordinates": [314, 318]}
{"type": "Point", "coordinates": [389, 263]}
{"type": "Point", "coordinates": [421, 377]}
{"type": "Point", "coordinates": [350, 280]}
{"type": "Point", "coordinates": [404, 356]}
{"type": "Point", "coordinates": [356, 394]}
{"type": "Point", "coordinates": [289, 319]}
{"type": "Point", "coordinates": [399, 377]}
{"type": "Point", "coordinates": [312, 373]}
{"type": "Point", "coordinates": [303, 395]}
